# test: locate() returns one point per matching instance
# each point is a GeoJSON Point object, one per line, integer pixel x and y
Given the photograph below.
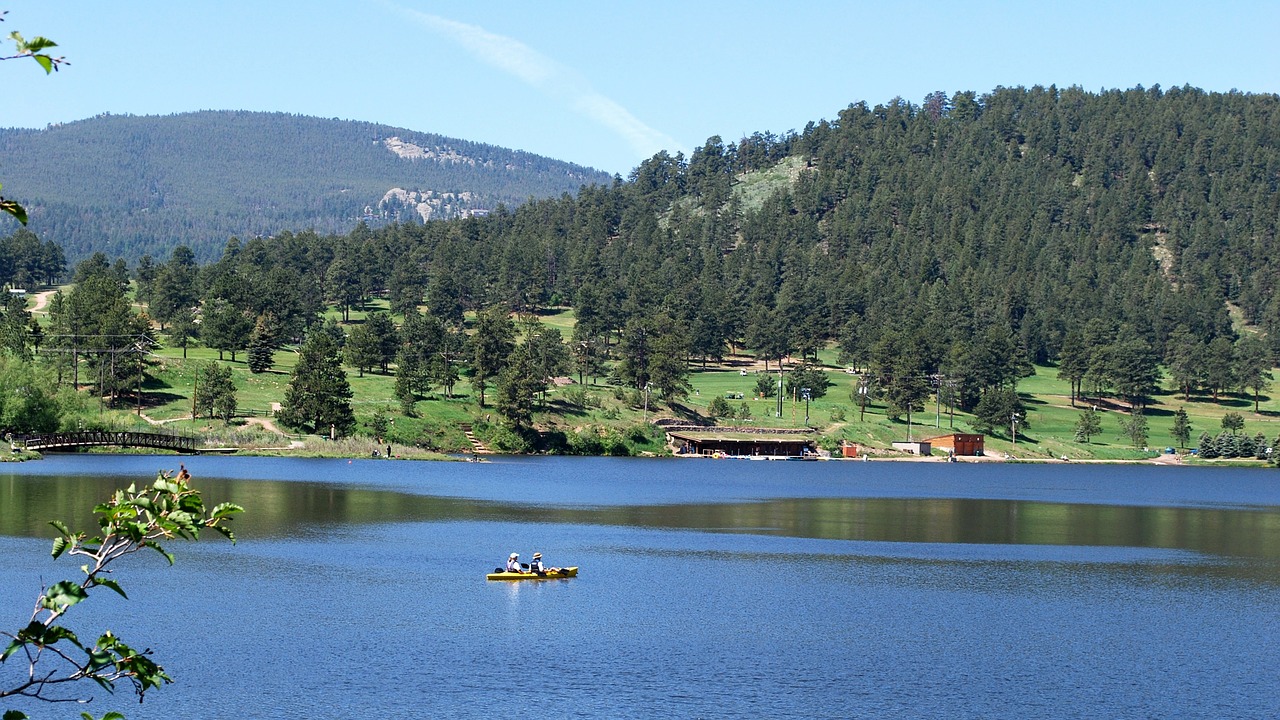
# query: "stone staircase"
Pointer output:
{"type": "Point", "coordinates": [477, 447]}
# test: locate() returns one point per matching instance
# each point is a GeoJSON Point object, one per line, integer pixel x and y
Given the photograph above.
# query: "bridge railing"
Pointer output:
{"type": "Point", "coordinates": [166, 440]}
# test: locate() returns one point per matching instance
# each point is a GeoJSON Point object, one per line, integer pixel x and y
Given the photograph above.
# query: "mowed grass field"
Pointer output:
{"type": "Point", "coordinates": [1048, 430]}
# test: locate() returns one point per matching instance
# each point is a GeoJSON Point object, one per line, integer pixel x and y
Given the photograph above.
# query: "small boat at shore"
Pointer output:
{"type": "Point", "coordinates": [548, 575]}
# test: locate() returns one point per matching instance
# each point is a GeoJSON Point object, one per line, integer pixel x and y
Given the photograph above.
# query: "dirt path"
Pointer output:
{"type": "Point", "coordinates": [271, 427]}
{"type": "Point", "coordinates": [265, 424]}
{"type": "Point", "coordinates": [42, 300]}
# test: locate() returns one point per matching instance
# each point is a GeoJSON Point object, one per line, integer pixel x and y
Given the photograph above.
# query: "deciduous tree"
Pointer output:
{"type": "Point", "coordinates": [58, 660]}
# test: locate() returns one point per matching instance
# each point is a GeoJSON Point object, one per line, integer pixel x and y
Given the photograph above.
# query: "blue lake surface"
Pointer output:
{"type": "Point", "coordinates": [708, 589]}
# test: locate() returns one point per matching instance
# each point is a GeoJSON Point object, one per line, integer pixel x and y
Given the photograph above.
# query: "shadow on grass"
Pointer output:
{"type": "Point", "coordinates": [156, 399]}
{"type": "Point", "coordinates": [564, 408]}
{"type": "Point", "coordinates": [688, 414]}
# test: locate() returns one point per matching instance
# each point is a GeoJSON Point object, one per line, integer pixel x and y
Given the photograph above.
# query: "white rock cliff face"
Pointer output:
{"type": "Point", "coordinates": [409, 151]}
{"type": "Point", "coordinates": [430, 204]}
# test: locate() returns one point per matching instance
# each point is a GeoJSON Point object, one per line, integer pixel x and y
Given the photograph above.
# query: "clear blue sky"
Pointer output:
{"type": "Point", "coordinates": [607, 84]}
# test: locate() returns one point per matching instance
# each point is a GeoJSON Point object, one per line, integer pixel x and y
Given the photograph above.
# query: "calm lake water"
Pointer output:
{"type": "Point", "coordinates": [708, 589]}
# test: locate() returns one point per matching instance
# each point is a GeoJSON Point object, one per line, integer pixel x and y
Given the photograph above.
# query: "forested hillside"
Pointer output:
{"type": "Point", "coordinates": [130, 186]}
{"type": "Point", "coordinates": [963, 237]}
{"type": "Point", "coordinates": [1024, 212]}
{"type": "Point", "coordinates": [943, 248]}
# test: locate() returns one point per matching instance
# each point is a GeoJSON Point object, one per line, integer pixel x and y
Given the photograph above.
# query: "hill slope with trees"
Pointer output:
{"type": "Point", "coordinates": [1124, 240]}
{"type": "Point", "coordinates": [130, 186]}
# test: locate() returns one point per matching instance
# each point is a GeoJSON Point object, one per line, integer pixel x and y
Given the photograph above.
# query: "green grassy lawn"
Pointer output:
{"type": "Point", "coordinates": [359, 313]}
{"type": "Point", "coordinates": [561, 319]}
{"type": "Point", "coordinates": [1049, 430]}
{"type": "Point", "coordinates": [1053, 419]}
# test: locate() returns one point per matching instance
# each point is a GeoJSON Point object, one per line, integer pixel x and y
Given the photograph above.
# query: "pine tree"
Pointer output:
{"type": "Point", "coordinates": [492, 343]}
{"type": "Point", "coordinates": [1233, 421]}
{"type": "Point", "coordinates": [361, 349]}
{"type": "Point", "coordinates": [1135, 428]}
{"type": "Point", "coordinates": [262, 344]}
{"type": "Point", "coordinates": [215, 393]}
{"type": "Point", "coordinates": [516, 389]}
{"type": "Point", "coordinates": [1253, 363]}
{"type": "Point", "coordinates": [1087, 425]}
{"type": "Point", "coordinates": [1181, 431]}
{"type": "Point", "coordinates": [1208, 449]}
{"type": "Point", "coordinates": [319, 395]}
{"type": "Point", "coordinates": [719, 408]}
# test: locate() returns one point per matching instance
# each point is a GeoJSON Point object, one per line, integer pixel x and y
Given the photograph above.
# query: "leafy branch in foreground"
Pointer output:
{"type": "Point", "coordinates": [34, 49]}
{"type": "Point", "coordinates": [130, 521]}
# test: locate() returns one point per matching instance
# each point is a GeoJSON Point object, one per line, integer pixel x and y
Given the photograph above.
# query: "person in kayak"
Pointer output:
{"type": "Point", "coordinates": [513, 563]}
{"type": "Point", "coordinates": [537, 567]}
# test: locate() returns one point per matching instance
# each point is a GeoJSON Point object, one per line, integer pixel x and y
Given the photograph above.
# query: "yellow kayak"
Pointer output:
{"type": "Point", "coordinates": [548, 575]}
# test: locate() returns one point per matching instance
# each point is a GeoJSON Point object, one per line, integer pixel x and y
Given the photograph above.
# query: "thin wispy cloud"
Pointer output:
{"type": "Point", "coordinates": [540, 72]}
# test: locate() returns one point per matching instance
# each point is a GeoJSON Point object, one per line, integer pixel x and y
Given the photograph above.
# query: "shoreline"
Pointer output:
{"type": "Point", "coordinates": [414, 454]}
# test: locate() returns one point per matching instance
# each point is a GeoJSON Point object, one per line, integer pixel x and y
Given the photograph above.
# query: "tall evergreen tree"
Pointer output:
{"type": "Point", "coordinates": [1219, 366]}
{"type": "Point", "coordinates": [215, 392]}
{"type": "Point", "coordinates": [517, 387]}
{"type": "Point", "coordinates": [225, 327]}
{"type": "Point", "coordinates": [262, 344]}
{"type": "Point", "coordinates": [1088, 424]}
{"type": "Point", "coordinates": [492, 344]}
{"type": "Point", "coordinates": [1253, 363]}
{"type": "Point", "coordinates": [1135, 428]}
{"type": "Point", "coordinates": [318, 397]}
{"type": "Point", "coordinates": [668, 369]}
{"type": "Point", "coordinates": [361, 349]}
{"type": "Point", "coordinates": [1181, 430]}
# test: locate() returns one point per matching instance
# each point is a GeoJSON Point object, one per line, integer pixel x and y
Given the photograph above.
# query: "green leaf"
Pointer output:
{"type": "Point", "coordinates": [38, 43]}
{"type": "Point", "coordinates": [59, 546]}
{"type": "Point", "coordinates": [65, 594]}
{"type": "Point", "coordinates": [106, 582]}
{"type": "Point", "coordinates": [13, 647]}
{"type": "Point", "coordinates": [226, 532]}
{"type": "Point", "coordinates": [155, 546]}
{"type": "Point", "coordinates": [56, 633]}
{"type": "Point", "coordinates": [99, 659]}
{"type": "Point", "coordinates": [104, 683]}
{"type": "Point", "coordinates": [45, 62]}
{"type": "Point", "coordinates": [225, 509]}
{"type": "Point", "coordinates": [14, 715]}
{"type": "Point", "coordinates": [13, 209]}
{"type": "Point", "coordinates": [61, 527]}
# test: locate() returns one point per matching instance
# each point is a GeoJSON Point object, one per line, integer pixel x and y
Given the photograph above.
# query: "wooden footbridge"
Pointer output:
{"type": "Point", "coordinates": [72, 441]}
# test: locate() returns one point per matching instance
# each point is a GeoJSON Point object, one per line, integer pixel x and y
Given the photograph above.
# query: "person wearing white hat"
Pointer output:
{"type": "Point", "coordinates": [513, 563]}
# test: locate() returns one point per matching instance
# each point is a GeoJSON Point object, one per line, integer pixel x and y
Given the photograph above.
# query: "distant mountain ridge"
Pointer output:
{"type": "Point", "coordinates": [133, 185]}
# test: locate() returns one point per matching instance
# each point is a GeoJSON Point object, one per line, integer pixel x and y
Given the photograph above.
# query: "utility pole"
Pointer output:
{"type": "Point", "coordinates": [937, 393]}
{"type": "Point", "coordinates": [778, 412]}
